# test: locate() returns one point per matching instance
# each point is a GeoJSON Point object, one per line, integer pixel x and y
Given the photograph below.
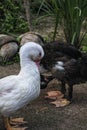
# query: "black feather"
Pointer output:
{"type": "Point", "coordinates": [74, 64]}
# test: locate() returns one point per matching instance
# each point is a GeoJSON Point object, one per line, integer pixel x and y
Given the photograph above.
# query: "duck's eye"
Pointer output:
{"type": "Point", "coordinates": [40, 54]}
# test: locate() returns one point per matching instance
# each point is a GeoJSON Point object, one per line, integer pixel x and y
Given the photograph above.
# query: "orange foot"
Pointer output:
{"type": "Point", "coordinates": [17, 121]}
{"type": "Point", "coordinates": [14, 124]}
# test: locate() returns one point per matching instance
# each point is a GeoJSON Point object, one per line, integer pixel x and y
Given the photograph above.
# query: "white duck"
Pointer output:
{"type": "Point", "coordinates": [18, 90]}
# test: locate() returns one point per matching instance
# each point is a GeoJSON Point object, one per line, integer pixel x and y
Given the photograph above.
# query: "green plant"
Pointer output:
{"type": "Point", "coordinates": [71, 14]}
{"type": "Point", "coordinates": [84, 44]}
{"type": "Point", "coordinates": [74, 13]}
{"type": "Point", "coordinates": [13, 21]}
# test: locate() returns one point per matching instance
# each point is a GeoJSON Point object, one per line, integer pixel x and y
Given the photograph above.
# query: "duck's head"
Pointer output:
{"type": "Point", "coordinates": [31, 51]}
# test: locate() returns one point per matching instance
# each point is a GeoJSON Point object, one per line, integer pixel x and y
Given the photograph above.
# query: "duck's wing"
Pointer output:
{"type": "Point", "coordinates": [7, 84]}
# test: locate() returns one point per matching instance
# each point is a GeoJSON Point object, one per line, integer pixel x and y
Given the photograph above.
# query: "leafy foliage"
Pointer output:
{"type": "Point", "coordinates": [72, 15]}
{"type": "Point", "coordinates": [12, 19]}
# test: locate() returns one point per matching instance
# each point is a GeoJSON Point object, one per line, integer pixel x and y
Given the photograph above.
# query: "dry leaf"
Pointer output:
{"type": "Point", "coordinates": [61, 103]}
{"type": "Point", "coordinates": [54, 95]}
{"type": "Point", "coordinates": [44, 108]}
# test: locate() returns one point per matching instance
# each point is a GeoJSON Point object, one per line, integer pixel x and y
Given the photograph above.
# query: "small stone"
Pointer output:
{"type": "Point", "coordinates": [31, 37]}
{"type": "Point", "coordinates": [8, 50]}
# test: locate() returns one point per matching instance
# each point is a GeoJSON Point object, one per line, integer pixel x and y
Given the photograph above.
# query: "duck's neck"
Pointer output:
{"type": "Point", "coordinates": [26, 62]}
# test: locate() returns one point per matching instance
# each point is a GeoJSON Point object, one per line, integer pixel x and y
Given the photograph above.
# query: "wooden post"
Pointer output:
{"type": "Point", "coordinates": [27, 4]}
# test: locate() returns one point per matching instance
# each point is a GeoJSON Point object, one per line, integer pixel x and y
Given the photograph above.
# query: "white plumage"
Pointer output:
{"type": "Point", "coordinates": [18, 90]}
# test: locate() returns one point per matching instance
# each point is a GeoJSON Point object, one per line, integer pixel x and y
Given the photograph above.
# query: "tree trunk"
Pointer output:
{"type": "Point", "coordinates": [27, 4]}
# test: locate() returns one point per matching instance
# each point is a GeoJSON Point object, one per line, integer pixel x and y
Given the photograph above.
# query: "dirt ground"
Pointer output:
{"type": "Point", "coordinates": [41, 115]}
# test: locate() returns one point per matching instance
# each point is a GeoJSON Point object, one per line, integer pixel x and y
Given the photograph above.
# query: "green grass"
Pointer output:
{"type": "Point", "coordinates": [84, 44]}
{"type": "Point", "coordinates": [70, 14]}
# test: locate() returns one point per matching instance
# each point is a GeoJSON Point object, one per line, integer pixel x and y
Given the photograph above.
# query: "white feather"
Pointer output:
{"type": "Point", "coordinates": [59, 65]}
{"type": "Point", "coordinates": [18, 90]}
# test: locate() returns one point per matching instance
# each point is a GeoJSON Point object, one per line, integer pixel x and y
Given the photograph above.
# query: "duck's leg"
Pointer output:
{"type": "Point", "coordinates": [7, 123]}
{"type": "Point", "coordinates": [63, 87]}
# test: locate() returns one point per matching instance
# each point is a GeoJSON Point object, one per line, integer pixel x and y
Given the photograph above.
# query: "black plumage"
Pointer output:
{"type": "Point", "coordinates": [67, 64]}
{"type": "Point", "coordinates": [55, 51]}
{"type": "Point", "coordinates": [45, 80]}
